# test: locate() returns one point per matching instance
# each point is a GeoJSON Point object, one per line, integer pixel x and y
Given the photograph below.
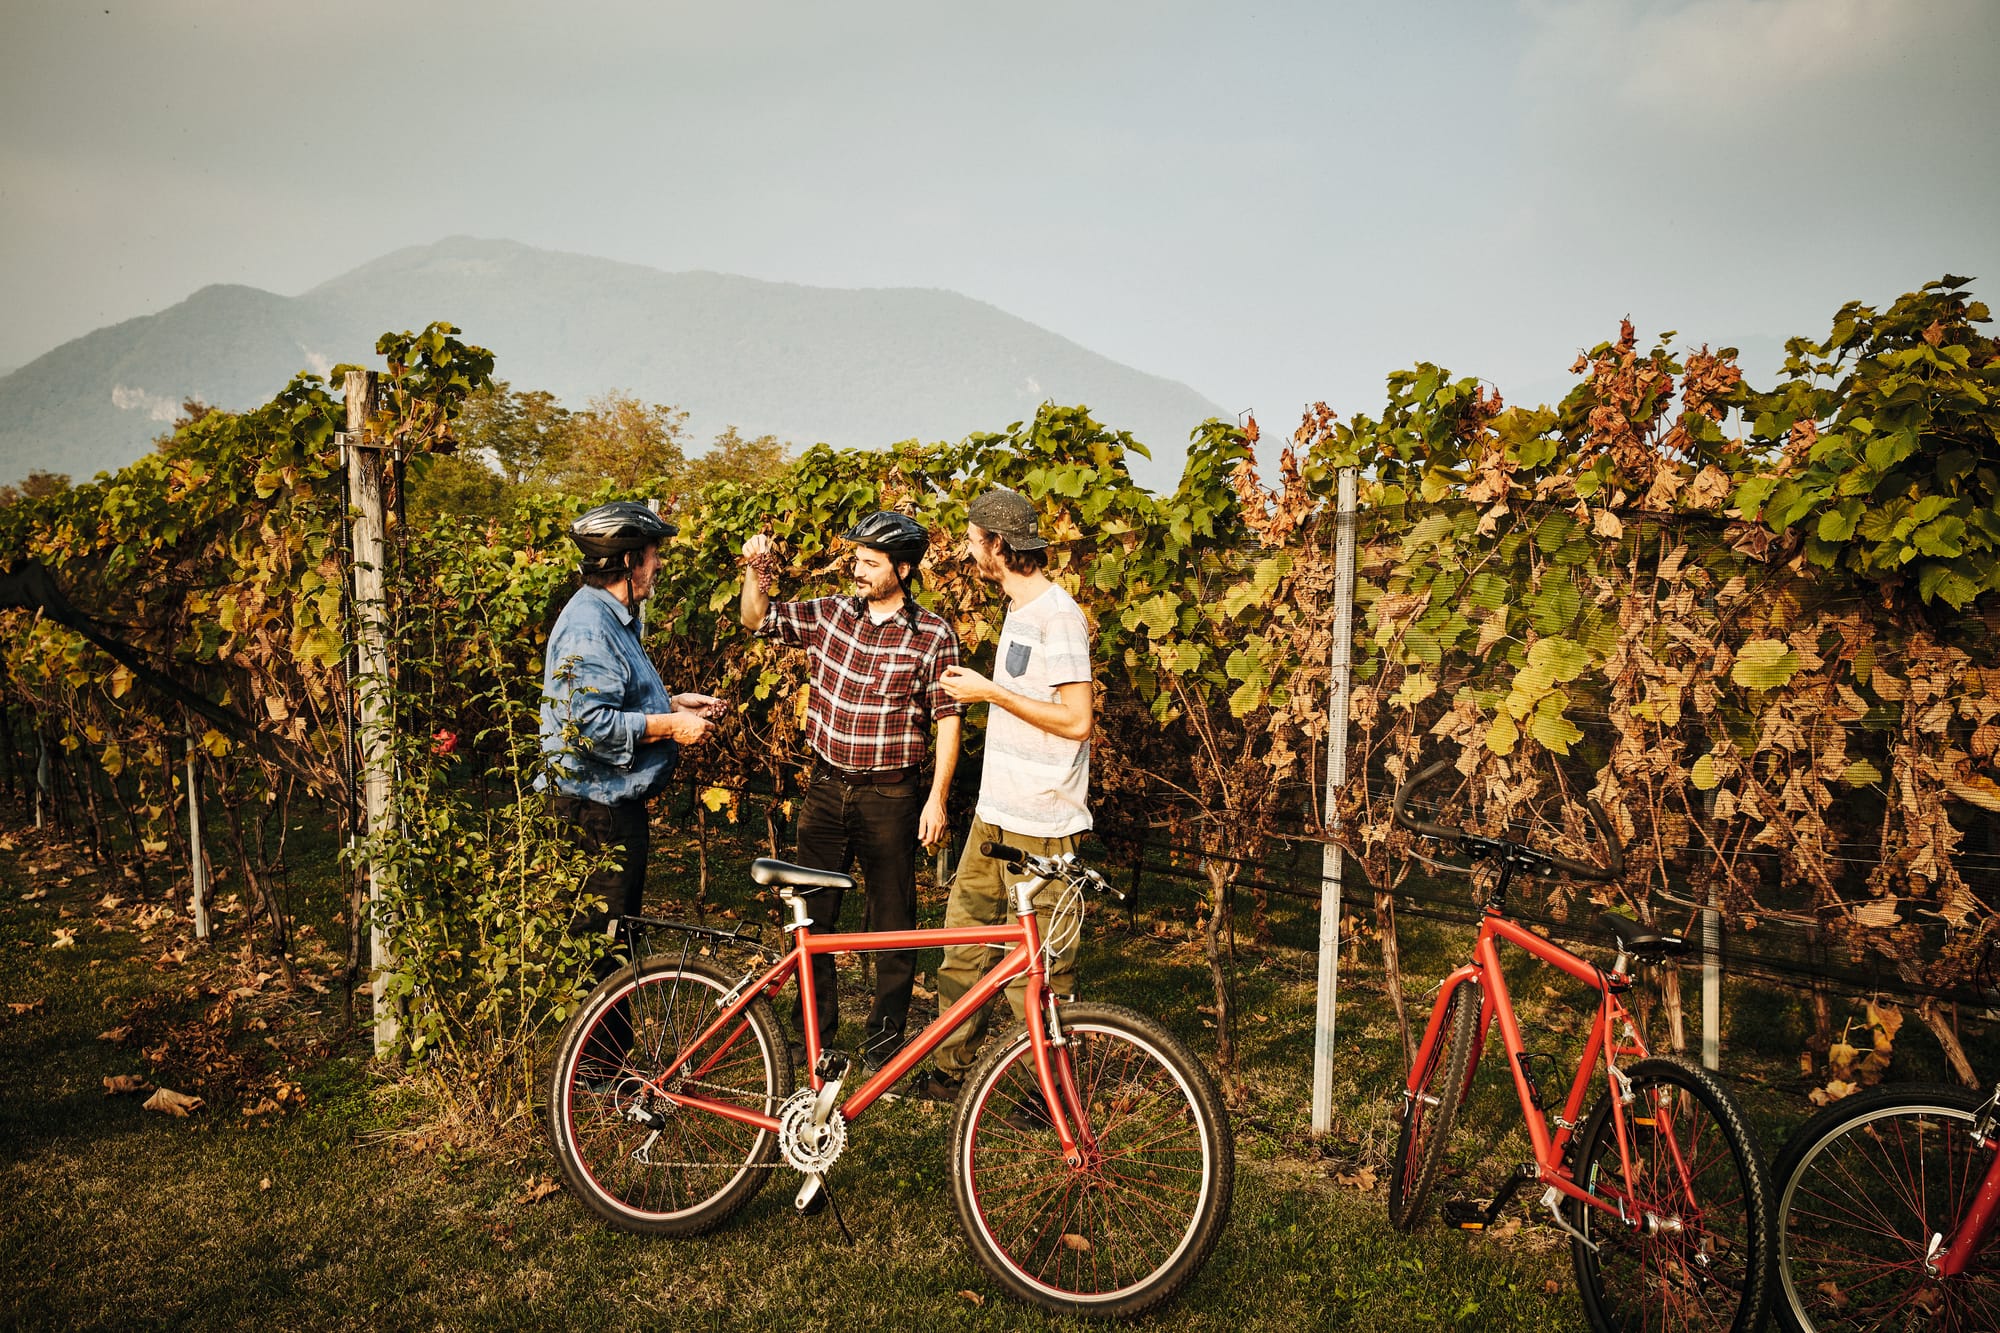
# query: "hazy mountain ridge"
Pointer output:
{"type": "Point", "coordinates": [850, 367]}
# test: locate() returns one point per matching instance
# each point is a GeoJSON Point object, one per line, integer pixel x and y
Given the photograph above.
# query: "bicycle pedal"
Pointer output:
{"type": "Point", "coordinates": [1467, 1214]}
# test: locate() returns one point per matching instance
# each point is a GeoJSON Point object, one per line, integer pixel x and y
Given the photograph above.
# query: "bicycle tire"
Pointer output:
{"type": "Point", "coordinates": [696, 1169]}
{"type": "Point", "coordinates": [1127, 1230]}
{"type": "Point", "coordinates": [1428, 1117]}
{"type": "Point", "coordinates": [1906, 1170]}
{"type": "Point", "coordinates": [1696, 1167]}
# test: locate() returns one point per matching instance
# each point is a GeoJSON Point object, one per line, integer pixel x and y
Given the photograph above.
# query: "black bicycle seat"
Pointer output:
{"type": "Point", "coordinates": [803, 879]}
{"type": "Point", "coordinates": [1641, 941]}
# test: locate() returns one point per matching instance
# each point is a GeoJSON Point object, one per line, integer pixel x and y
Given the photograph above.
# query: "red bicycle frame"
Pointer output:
{"type": "Point", "coordinates": [1969, 1236]}
{"type": "Point", "coordinates": [1025, 958]}
{"type": "Point", "coordinates": [1611, 1036]}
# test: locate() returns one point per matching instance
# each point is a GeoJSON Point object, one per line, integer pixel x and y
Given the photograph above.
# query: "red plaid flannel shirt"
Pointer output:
{"type": "Point", "coordinates": [875, 688]}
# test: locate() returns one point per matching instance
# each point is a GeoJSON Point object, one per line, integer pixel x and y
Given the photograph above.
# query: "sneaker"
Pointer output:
{"type": "Point", "coordinates": [1028, 1113]}
{"type": "Point", "coordinates": [933, 1086]}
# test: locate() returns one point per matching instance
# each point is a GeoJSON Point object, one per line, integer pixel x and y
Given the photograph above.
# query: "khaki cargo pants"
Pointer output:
{"type": "Point", "coordinates": [981, 895]}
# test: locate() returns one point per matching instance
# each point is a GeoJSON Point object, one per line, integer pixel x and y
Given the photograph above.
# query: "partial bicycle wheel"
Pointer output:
{"type": "Point", "coordinates": [1863, 1187]}
{"type": "Point", "coordinates": [1695, 1253]}
{"type": "Point", "coordinates": [1429, 1116]}
{"type": "Point", "coordinates": [636, 1158]}
{"type": "Point", "coordinates": [1127, 1227]}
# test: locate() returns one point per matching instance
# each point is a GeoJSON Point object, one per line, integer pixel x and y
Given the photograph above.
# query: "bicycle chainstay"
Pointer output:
{"type": "Point", "coordinates": [707, 1166]}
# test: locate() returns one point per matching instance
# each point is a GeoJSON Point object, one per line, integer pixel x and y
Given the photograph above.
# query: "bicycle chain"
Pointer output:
{"type": "Point", "coordinates": [698, 1166]}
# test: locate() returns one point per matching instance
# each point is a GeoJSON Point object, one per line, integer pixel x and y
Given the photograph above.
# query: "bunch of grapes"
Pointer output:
{"type": "Point", "coordinates": [764, 567]}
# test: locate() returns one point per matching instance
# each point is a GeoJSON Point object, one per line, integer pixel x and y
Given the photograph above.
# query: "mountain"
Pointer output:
{"type": "Point", "coordinates": [851, 368]}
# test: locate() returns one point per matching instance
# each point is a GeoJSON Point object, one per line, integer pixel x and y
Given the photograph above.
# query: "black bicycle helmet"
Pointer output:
{"type": "Point", "coordinates": [609, 533]}
{"type": "Point", "coordinates": [895, 535]}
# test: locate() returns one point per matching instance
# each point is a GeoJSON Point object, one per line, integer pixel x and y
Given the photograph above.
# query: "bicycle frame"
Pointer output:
{"type": "Point", "coordinates": [1024, 959]}
{"type": "Point", "coordinates": [1970, 1234]}
{"type": "Point", "coordinates": [1611, 1036]}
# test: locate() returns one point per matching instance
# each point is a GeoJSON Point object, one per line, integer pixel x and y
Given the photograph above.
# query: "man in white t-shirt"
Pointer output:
{"type": "Point", "coordinates": [1032, 792]}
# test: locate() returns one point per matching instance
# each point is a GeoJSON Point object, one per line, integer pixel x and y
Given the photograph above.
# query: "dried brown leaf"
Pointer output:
{"type": "Point", "coordinates": [117, 1084]}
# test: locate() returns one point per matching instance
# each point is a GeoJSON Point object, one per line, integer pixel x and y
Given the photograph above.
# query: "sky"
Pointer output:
{"type": "Point", "coordinates": [1274, 203]}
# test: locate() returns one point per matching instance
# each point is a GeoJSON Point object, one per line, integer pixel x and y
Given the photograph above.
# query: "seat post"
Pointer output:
{"type": "Point", "coordinates": [797, 907]}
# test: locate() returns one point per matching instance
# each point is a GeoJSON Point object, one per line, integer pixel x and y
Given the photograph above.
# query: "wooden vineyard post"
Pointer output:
{"type": "Point", "coordinates": [197, 858]}
{"type": "Point", "coordinates": [1338, 685]}
{"type": "Point", "coordinates": [1711, 982]}
{"type": "Point", "coordinates": [371, 678]}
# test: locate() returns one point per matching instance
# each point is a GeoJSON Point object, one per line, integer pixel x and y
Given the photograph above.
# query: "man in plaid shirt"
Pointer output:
{"type": "Point", "coordinates": [877, 659]}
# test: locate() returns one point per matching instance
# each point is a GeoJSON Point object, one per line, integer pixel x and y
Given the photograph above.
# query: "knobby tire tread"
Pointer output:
{"type": "Point", "coordinates": [1410, 1184]}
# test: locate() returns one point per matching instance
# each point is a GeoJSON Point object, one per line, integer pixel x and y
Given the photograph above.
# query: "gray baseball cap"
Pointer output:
{"type": "Point", "coordinates": [1010, 514]}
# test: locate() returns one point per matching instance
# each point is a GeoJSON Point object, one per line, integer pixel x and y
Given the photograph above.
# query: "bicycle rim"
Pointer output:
{"type": "Point", "coordinates": [1127, 1228]}
{"type": "Point", "coordinates": [1862, 1198]}
{"type": "Point", "coordinates": [1696, 1187]}
{"type": "Point", "coordinates": [687, 1167]}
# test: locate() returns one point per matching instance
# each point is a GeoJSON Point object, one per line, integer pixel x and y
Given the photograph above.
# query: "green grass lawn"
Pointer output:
{"type": "Point", "coordinates": [347, 1206]}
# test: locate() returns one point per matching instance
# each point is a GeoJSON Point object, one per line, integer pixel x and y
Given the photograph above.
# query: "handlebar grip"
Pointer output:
{"type": "Point", "coordinates": [1000, 851]}
{"type": "Point", "coordinates": [1402, 816]}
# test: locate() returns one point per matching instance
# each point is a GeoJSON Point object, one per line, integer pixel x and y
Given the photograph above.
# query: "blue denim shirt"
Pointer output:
{"type": "Point", "coordinates": [598, 683]}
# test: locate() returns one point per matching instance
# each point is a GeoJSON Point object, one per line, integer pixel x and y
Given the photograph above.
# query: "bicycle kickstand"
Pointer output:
{"type": "Point", "coordinates": [814, 1196]}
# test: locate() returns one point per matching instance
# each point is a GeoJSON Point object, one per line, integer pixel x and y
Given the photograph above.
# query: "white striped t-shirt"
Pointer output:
{"type": "Point", "coordinates": [1035, 782]}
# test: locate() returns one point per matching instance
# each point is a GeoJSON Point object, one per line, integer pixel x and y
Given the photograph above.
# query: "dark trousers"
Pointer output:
{"type": "Point", "coordinates": [597, 829]}
{"type": "Point", "coordinates": [841, 823]}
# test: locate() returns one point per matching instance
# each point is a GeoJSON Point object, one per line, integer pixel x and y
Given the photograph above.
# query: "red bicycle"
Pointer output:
{"type": "Point", "coordinates": [1091, 1159]}
{"type": "Point", "coordinates": [1889, 1200]}
{"type": "Point", "coordinates": [1660, 1189]}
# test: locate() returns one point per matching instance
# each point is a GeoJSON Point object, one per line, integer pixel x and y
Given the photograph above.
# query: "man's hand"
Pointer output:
{"type": "Point", "coordinates": [707, 705]}
{"type": "Point", "coordinates": [689, 728]}
{"type": "Point", "coordinates": [930, 824]}
{"type": "Point", "coordinates": [759, 544]}
{"type": "Point", "coordinates": [966, 685]}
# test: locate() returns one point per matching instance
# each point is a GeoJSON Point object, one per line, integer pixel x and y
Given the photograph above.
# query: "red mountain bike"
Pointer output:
{"type": "Point", "coordinates": [1660, 1189]}
{"type": "Point", "coordinates": [1091, 1160]}
{"type": "Point", "coordinates": [1888, 1202]}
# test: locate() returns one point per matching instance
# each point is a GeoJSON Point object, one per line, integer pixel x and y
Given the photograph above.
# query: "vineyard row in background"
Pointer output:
{"type": "Point", "coordinates": [1756, 624]}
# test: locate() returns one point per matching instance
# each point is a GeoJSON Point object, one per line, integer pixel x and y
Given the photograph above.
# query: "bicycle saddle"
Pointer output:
{"type": "Point", "coordinates": [802, 879]}
{"type": "Point", "coordinates": [1641, 941]}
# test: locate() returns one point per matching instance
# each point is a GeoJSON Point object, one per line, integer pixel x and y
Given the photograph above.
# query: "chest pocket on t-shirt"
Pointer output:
{"type": "Point", "coordinates": [1018, 654]}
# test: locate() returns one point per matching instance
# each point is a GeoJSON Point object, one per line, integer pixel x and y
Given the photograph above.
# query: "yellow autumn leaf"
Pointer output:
{"type": "Point", "coordinates": [1703, 774]}
{"type": "Point", "coordinates": [715, 798]}
{"type": "Point", "coordinates": [215, 742]}
{"type": "Point", "coordinates": [1980, 790]}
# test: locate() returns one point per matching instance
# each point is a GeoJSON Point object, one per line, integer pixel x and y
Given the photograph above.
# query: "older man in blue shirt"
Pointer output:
{"type": "Point", "coordinates": [610, 729]}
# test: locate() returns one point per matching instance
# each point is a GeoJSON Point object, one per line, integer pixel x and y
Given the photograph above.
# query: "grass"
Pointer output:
{"type": "Point", "coordinates": [351, 1207]}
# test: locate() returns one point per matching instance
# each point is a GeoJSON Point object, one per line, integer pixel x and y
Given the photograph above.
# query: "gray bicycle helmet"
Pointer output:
{"type": "Point", "coordinates": [608, 534]}
{"type": "Point", "coordinates": [895, 535]}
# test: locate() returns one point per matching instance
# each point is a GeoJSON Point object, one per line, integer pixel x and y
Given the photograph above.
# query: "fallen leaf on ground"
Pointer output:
{"type": "Point", "coordinates": [65, 938]}
{"type": "Point", "coordinates": [1363, 1180]}
{"type": "Point", "coordinates": [123, 1083]}
{"type": "Point", "coordinates": [169, 1102]}
{"type": "Point", "coordinates": [114, 1034]}
{"type": "Point", "coordinates": [1076, 1242]}
{"type": "Point", "coordinates": [25, 1006]}
{"type": "Point", "coordinates": [974, 1297]}
{"type": "Point", "coordinates": [539, 1188]}
{"type": "Point", "coordinates": [264, 1107]}
{"type": "Point", "coordinates": [34, 895]}
{"type": "Point", "coordinates": [1506, 1229]}
{"type": "Point", "coordinates": [1551, 1287]}
{"type": "Point", "coordinates": [264, 1184]}
{"type": "Point", "coordinates": [110, 902]}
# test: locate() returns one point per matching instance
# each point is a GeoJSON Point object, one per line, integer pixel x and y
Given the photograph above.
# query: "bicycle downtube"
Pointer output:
{"type": "Point", "coordinates": [1974, 1228]}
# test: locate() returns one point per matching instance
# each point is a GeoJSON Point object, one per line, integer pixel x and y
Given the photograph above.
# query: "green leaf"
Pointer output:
{"type": "Point", "coordinates": [1550, 728]}
{"type": "Point", "coordinates": [1564, 659]}
{"type": "Point", "coordinates": [1703, 774]}
{"type": "Point", "coordinates": [1764, 664]}
{"type": "Point", "coordinates": [1861, 773]}
{"type": "Point", "coordinates": [1502, 734]}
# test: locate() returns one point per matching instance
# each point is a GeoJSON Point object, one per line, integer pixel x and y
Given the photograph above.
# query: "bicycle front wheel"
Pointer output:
{"type": "Point", "coordinates": [1863, 1187]}
{"type": "Point", "coordinates": [1692, 1247]}
{"type": "Point", "coordinates": [1129, 1225]}
{"type": "Point", "coordinates": [636, 1158]}
{"type": "Point", "coordinates": [1430, 1114]}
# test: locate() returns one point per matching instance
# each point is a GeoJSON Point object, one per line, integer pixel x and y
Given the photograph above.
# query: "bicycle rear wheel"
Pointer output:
{"type": "Point", "coordinates": [1131, 1225]}
{"type": "Point", "coordinates": [1698, 1253]}
{"type": "Point", "coordinates": [1863, 1186]}
{"type": "Point", "coordinates": [1429, 1116]}
{"type": "Point", "coordinates": [637, 1159]}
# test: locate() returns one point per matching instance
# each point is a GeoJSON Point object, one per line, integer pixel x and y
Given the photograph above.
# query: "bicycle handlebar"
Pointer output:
{"type": "Point", "coordinates": [1474, 843]}
{"type": "Point", "coordinates": [1050, 867]}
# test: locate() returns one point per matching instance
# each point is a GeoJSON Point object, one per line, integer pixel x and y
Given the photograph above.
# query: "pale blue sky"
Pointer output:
{"type": "Point", "coordinates": [1271, 202]}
